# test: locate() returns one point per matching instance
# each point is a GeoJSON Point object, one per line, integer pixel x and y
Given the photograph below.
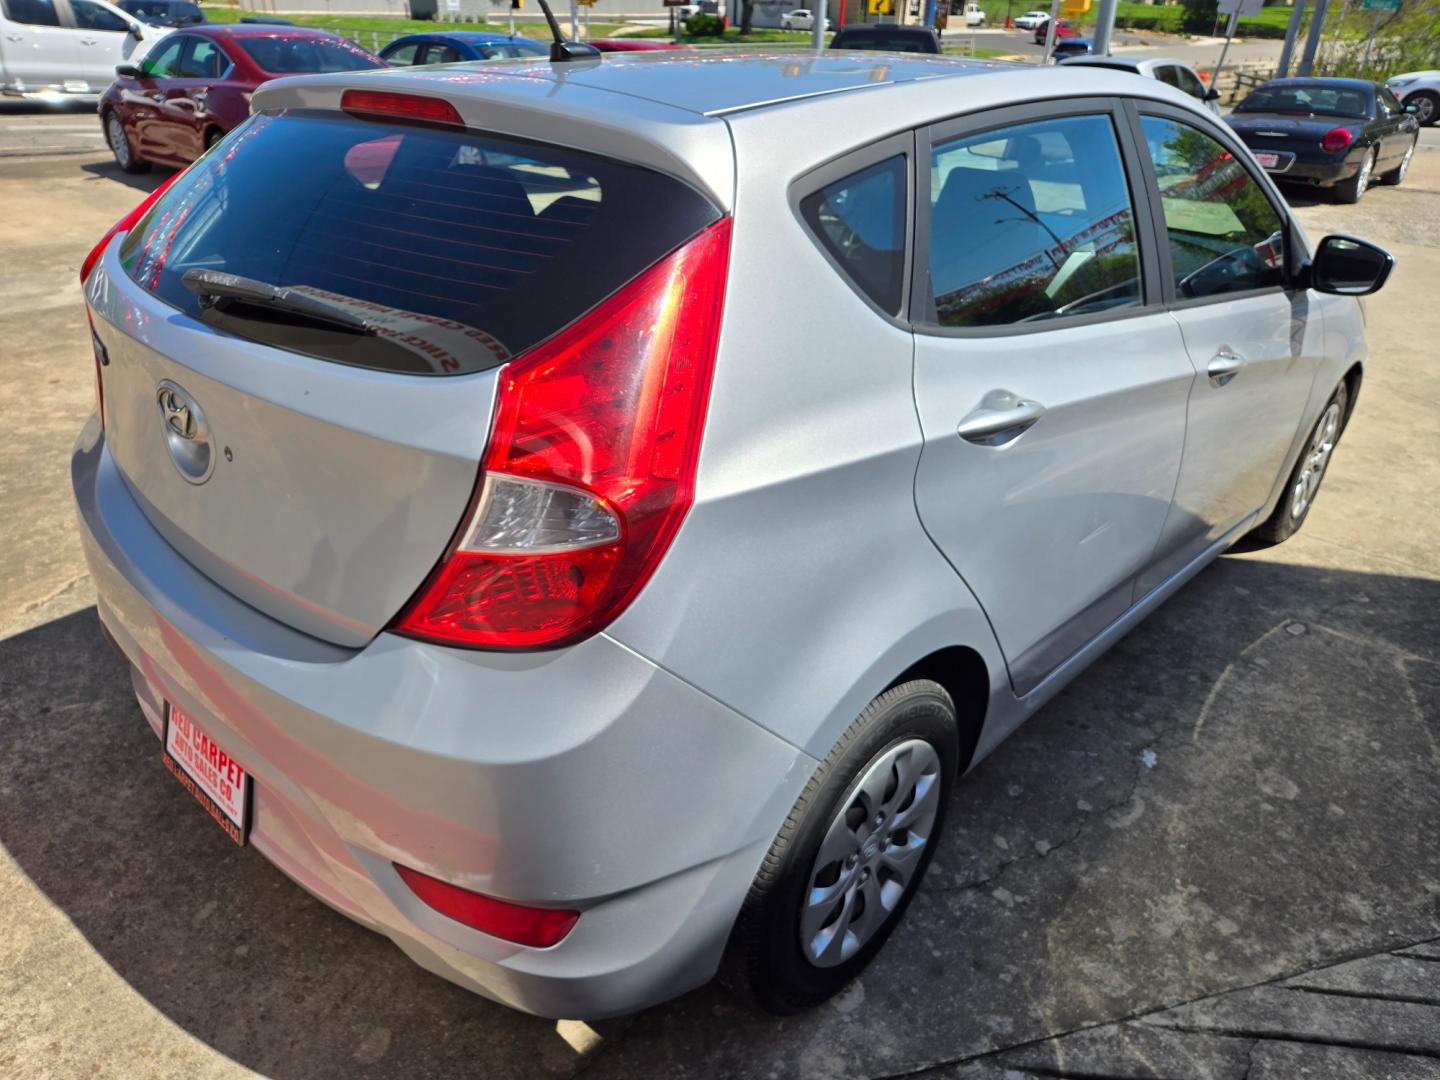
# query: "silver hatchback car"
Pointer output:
{"type": "Point", "coordinates": [581, 520]}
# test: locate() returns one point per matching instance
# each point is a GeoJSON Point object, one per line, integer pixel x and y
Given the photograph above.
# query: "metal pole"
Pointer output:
{"type": "Point", "coordinates": [1104, 27]}
{"type": "Point", "coordinates": [1229, 37]}
{"type": "Point", "coordinates": [1050, 31]}
{"type": "Point", "coordinates": [818, 10]}
{"type": "Point", "coordinates": [1292, 33]}
{"type": "Point", "coordinates": [1312, 39]}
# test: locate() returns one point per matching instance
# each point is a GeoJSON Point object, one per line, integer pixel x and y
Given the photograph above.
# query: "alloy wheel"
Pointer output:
{"type": "Point", "coordinates": [1405, 162]}
{"type": "Point", "coordinates": [119, 143]}
{"type": "Point", "coordinates": [1317, 457]}
{"type": "Point", "coordinates": [871, 854]}
{"type": "Point", "coordinates": [1424, 108]}
{"type": "Point", "coordinates": [1366, 167]}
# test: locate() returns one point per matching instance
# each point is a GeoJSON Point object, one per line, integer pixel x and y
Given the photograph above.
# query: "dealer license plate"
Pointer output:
{"type": "Point", "coordinates": [215, 779]}
{"type": "Point", "coordinates": [1268, 161]}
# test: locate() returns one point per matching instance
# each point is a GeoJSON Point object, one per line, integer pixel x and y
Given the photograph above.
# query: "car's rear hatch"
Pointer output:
{"type": "Point", "coordinates": [304, 337]}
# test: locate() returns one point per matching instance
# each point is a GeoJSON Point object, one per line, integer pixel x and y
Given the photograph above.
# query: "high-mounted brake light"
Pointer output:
{"type": "Point", "coordinates": [404, 106]}
{"type": "Point", "coordinates": [125, 224]}
{"type": "Point", "coordinates": [591, 465]}
{"type": "Point", "coordinates": [537, 927]}
{"type": "Point", "coordinates": [1336, 139]}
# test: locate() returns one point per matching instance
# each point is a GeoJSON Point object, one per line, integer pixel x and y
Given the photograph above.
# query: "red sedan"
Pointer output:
{"type": "Point", "coordinates": [195, 85]}
{"type": "Point", "coordinates": [1063, 29]}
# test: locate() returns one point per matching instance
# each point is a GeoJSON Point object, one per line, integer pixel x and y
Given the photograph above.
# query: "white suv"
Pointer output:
{"type": "Point", "coordinates": [55, 48]}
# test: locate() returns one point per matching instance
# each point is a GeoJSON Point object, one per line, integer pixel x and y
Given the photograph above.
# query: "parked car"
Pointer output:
{"type": "Point", "coordinates": [1421, 89]}
{"type": "Point", "coordinates": [1071, 48]}
{"type": "Point", "coordinates": [886, 38]}
{"type": "Point", "coordinates": [801, 19]}
{"type": "Point", "coordinates": [634, 44]}
{"type": "Point", "coordinates": [1031, 19]}
{"type": "Point", "coordinates": [452, 48]}
{"type": "Point", "coordinates": [1339, 134]}
{"type": "Point", "coordinates": [1171, 72]}
{"type": "Point", "coordinates": [58, 50]}
{"type": "Point", "coordinates": [1064, 28]}
{"type": "Point", "coordinates": [163, 12]}
{"type": "Point", "coordinates": [493, 545]}
{"type": "Point", "coordinates": [196, 86]}
{"type": "Point", "coordinates": [974, 15]}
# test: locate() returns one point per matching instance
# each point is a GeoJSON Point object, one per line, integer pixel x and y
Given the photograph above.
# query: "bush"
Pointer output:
{"type": "Point", "coordinates": [1199, 17]}
{"type": "Point", "coordinates": [699, 25]}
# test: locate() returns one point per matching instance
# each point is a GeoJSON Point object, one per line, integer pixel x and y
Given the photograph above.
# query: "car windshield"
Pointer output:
{"type": "Point", "coordinates": [512, 50]}
{"type": "Point", "coordinates": [299, 55]}
{"type": "Point", "coordinates": [885, 40]}
{"type": "Point", "coordinates": [1308, 101]}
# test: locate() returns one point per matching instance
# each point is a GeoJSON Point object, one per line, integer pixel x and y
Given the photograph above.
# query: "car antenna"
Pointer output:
{"type": "Point", "coordinates": [562, 49]}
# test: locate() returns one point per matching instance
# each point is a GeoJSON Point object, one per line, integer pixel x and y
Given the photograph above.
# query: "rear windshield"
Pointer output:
{"type": "Point", "coordinates": [300, 55]}
{"type": "Point", "coordinates": [453, 250]}
{"type": "Point", "coordinates": [886, 41]}
{"type": "Point", "coordinates": [1308, 101]}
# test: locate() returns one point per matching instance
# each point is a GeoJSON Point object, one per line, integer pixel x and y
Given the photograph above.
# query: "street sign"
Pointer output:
{"type": "Point", "coordinates": [1247, 9]}
{"type": "Point", "coordinates": [1075, 7]}
{"type": "Point", "coordinates": [1380, 5]}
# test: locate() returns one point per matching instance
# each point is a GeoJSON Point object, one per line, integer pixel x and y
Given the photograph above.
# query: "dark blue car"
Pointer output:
{"type": "Point", "coordinates": [455, 47]}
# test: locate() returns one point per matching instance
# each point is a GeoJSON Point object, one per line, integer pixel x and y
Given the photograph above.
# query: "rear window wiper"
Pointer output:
{"type": "Point", "coordinates": [215, 287]}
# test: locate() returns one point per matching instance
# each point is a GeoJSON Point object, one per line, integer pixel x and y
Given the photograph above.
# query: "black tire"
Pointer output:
{"type": "Point", "coordinates": [1396, 176]}
{"type": "Point", "coordinates": [764, 961]}
{"type": "Point", "coordinates": [1285, 522]}
{"type": "Point", "coordinates": [213, 136]}
{"type": "Point", "coordinates": [1349, 191]}
{"type": "Point", "coordinates": [120, 145]}
{"type": "Point", "coordinates": [1428, 106]}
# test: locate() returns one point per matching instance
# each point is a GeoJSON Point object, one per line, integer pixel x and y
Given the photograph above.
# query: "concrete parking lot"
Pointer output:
{"type": "Point", "coordinates": [1215, 855]}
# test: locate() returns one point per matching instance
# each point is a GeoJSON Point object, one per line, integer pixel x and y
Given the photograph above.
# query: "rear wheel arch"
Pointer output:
{"type": "Point", "coordinates": [966, 678]}
{"type": "Point", "coordinates": [1352, 380]}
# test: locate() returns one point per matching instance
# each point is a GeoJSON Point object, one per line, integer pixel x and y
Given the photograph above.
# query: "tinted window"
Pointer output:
{"type": "Point", "coordinates": [861, 222]}
{"type": "Point", "coordinates": [1168, 74]}
{"type": "Point", "coordinates": [1308, 101]}
{"type": "Point", "coordinates": [461, 249]}
{"type": "Point", "coordinates": [34, 12]}
{"type": "Point", "coordinates": [164, 62]}
{"type": "Point", "coordinates": [886, 41]}
{"type": "Point", "coordinates": [404, 56]}
{"type": "Point", "coordinates": [1225, 235]}
{"type": "Point", "coordinates": [514, 50]}
{"type": "Point", "coordinates": [442, 54]}
{"type": "Point", "coordinates": [202, 60]}
{"type": "Point", "coordinates": [90, 16]}
{"type": "Point", "coordinates": [297, 55]}
{"type": "Point", "coordinates": [1031, 222]}
{"type": "Point", "coordinates": [1392, 103]}
{"type": "Point", "coordinates": [1190, 83]}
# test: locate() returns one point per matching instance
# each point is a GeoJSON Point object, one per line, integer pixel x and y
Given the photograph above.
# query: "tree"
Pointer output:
{"type": "Point", "coordinates": [1199, 17]}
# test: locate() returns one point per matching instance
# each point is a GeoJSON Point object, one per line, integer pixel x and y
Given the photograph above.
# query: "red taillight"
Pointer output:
{"type": "Point", "coordinates": [405, 106]}
{"type": "Point", "coordinates": [1336, 139]}
{"type": "Point", "coordinates": [537, 927]}
{"type": "Point", "coordinates": [591, 465]}
{"type": "Point", "coordinates": [125, 224]}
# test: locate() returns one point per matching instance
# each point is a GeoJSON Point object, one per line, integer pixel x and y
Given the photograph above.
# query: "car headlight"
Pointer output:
{"type": "Point", "coordinates": [1401, 80]}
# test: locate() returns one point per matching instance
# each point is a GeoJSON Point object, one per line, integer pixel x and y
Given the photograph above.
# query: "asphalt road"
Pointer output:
{"type": "Point", "coordinates": [1215, 855]}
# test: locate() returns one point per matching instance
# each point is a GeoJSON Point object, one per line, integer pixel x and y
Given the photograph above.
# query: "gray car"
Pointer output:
{"type": "Point", "coordinates": [587, 526]}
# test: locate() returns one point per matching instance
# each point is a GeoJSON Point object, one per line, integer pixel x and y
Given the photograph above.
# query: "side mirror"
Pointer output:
{"type": "Point", "coordinates": [128, 71]}
{"type": "Point", "coordinates": [1346, 266]}
{"type": "Point", "coordinates": [1212, 94]}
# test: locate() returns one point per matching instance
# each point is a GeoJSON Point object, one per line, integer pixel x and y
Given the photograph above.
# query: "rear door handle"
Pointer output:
{"type": "Point", "coordinates": [1224, 366]}
{"type": "Point", "coordinates": [1000, 418]}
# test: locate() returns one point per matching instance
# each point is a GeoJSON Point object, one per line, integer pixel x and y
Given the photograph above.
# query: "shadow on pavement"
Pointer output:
{"type": "Point", "coordinates": [1235, 792]}
{"type": "Point", "coordinates": [146, 181]}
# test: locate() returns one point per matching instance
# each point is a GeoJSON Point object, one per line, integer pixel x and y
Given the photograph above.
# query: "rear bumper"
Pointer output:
{"type": "Point", "coordinates": [586, 777]}
{"type": "Point", "coordinates": [1322, 174]}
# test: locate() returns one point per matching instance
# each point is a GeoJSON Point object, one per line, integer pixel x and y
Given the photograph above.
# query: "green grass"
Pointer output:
{"type": "Point", "coordinates": [386, 27]}
{"type": "Point", "coordinates": [731, 36]}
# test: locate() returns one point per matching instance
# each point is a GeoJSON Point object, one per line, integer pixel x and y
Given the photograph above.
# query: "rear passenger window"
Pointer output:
{"type": "Point", "coordinates": [1225, 235]}
{"type": "Point", "coordinates": [1030, 223]}
{"type": "Point", "coordinates": [404, 56]}
{"type": "Point", "coordinates": [31, 12]}
{"type": "Point", "coordinates": [403, 248]}
{"type": "Point", "coordinates": [860, 220]}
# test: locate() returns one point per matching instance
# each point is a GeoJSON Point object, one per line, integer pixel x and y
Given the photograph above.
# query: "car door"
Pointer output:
{"type": "Point", "coordinates": [39, 50]}
{"type": "Point", "coordinates": [1398, 131]}
{"type": "Point", "coordinates": [1049, 379]}
{"type": "Point", "coordinates": [102, 40]}
{"type": "Point", "coordinates": [145, 96]}
{"type": "Point", "coordinates": [1254, 341]}
{"type": "Point", "coordinates": [183, 121]}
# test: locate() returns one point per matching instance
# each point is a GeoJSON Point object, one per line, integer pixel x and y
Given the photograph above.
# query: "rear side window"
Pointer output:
{"type": "Point", "coordinates": [1031, 222]}
{"type": "Point", "coordinates": [404, 248]}
{"type": "Point", "coordinates": [299, 55]}
{"type": "Point", "coordinates": [31, 12]}
{"type": "Point", "coordinates": [91, 16]}
{"type": "Point", "coordinates": [202, 60]}
{"type": "Point", "coordinates": [860, 220]}
{"type": "Point", "coordinates": [1225, 235]}
{"type": "Point", "coordinates": [404, 56]}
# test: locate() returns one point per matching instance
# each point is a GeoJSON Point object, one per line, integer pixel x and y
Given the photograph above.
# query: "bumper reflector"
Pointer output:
{"type": "Point", "coordinates": [538, 928]}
